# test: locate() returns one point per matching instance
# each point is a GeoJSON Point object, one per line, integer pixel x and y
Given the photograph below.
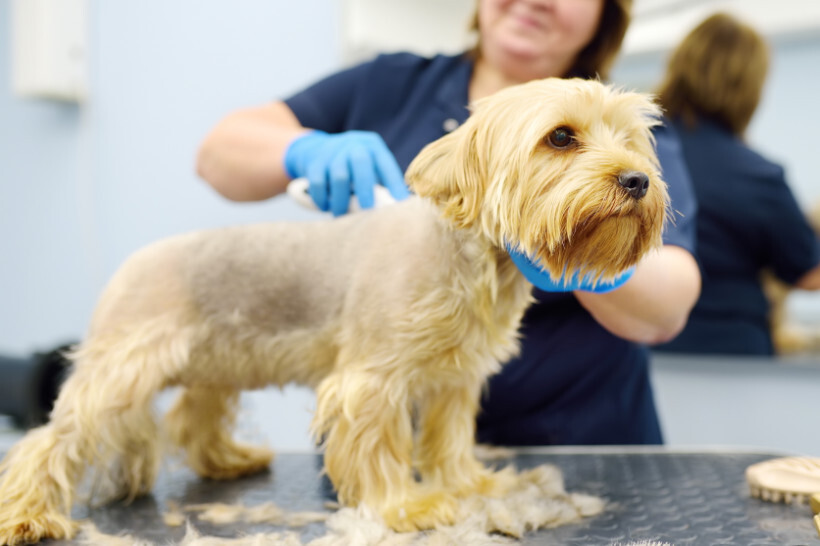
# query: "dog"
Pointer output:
{"type": "Point", "coordinates": [395, 316]}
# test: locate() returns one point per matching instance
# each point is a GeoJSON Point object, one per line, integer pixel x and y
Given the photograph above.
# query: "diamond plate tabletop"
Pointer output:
{"type": "Point", "coordinates": [681, 498]}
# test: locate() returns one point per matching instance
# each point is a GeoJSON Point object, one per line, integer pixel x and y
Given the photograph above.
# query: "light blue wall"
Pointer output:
{"type": "Point", "coordinates": [44, 276]}
{"type": "Point", "coordinates": [84, 186]}
{"type": "Point", "coordinates": [785, 126]}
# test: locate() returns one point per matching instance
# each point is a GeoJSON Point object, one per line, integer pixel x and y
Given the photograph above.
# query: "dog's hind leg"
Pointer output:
{"type": "Point", "coordinates": [445, 455]}
{"type": "Point", "coordinates": [34, 500]}
{"type": "Point", "coordinates": [200, 423]}
{"type": "Point", "coordinates": [102, 417]}
{"type": "Point", "coordinates": [366, 426]}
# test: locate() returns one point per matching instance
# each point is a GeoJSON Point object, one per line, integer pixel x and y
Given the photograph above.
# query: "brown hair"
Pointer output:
{"type": "Point", "coordinates": [597, 58]}
{"type": "Point", "coordinates": [716, 73]}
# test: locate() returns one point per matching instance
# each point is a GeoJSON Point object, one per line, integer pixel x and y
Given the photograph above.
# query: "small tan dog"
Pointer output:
{"type": "Point", "coordinates": [395, 316]}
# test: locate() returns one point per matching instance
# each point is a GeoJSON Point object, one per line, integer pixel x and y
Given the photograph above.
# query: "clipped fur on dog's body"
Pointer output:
{"type": "Point", "coordinates": [400, 312]}
{"type": "Point", "coordinates": [323, 306]}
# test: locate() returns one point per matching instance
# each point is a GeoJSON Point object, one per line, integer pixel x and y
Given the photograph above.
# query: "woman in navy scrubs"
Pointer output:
{"type": "Point", "coordinates": [582, 376]}
{"type": "Point", "coordinates": [748, 219]}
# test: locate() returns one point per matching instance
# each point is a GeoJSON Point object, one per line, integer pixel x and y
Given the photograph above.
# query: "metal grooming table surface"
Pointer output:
{"type": "Point", "coordinates": [682, 498]}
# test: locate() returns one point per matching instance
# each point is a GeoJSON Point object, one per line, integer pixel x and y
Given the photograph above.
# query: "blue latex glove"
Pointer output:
{"type": "Point", "coordinates": [340, 164]}
{"type": "Point", "coordinates": [541, 279]}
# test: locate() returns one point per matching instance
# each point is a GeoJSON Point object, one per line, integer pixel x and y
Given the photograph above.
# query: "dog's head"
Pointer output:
{"type": "Point", "coordinates": [564, 170]}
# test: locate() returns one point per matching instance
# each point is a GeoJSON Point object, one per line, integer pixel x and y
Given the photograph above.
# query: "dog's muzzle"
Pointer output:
{"type": "Point", "coordinates": [635, 183]}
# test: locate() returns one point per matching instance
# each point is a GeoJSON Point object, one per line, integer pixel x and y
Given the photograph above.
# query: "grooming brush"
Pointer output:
{"type": "Point", "coordinates": [793, 480]}
{"type": "Point", "coordinates": [298, 190]}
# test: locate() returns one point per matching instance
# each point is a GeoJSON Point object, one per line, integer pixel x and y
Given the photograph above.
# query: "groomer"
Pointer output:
{"type": "Point", "coordinates": [582, 376]}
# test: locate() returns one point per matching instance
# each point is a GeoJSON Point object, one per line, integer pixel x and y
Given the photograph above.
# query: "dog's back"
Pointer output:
{"type": "Point", "coordinates": [276, 291]}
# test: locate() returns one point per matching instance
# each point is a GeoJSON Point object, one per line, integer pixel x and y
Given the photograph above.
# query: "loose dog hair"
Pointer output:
{"type": "Point", "coordinates": [395, 316]}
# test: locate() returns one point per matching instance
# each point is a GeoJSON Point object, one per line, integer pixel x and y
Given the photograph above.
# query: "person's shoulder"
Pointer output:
{"type": "Point", "coordinates": [407, 62]}
{"type": "Point", "coordinates": [755, 162]}
{"type": "Point", "coordinates": [404, 74]}
{"type": "Point", "coordinates": [749, 162]}
{"type": "Point", "coordinates": [407, 58]}
{"type": "Point", "coordinates": [729, 150]}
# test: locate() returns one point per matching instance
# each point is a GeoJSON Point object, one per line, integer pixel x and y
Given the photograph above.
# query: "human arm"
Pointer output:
{"type": "Point", "coordinates": [252, 154]}
{"type": "Point", "coordinates": [242, 158]}
{"type": "Point", "coordinates": [654, 304]}
{"type": "Point", "coordinates": [791, 239]}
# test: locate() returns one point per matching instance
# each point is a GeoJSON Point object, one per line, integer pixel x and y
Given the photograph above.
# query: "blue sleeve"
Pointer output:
{"type": "Point", "coordinates": [790, 241]}
{"type": "Point", "coordinates": [366, 97]}
{"type": "Point", "coordinates": [681, 228]}
{"type": "Point", "coordinates": [326, 104]}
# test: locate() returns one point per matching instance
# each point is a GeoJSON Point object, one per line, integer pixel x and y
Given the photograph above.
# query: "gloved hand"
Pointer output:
{"type": "Point", "coordinates": [337, 165]}
{"type": "Point", "coordinates": [541, 279]}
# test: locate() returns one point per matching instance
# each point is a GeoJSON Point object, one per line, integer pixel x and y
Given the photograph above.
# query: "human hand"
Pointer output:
{"type": "Point", "coordinates": [339, 165]}
{"type": "Point", "coordinates": [541, 279]}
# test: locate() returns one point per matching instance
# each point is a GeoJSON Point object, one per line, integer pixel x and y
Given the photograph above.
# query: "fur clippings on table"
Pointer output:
{"type": "Point", "coordinates": [537, 501]}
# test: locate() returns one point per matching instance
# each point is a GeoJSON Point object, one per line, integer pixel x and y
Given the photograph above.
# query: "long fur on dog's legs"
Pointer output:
{"type": "Point", "coordinates": [368, 438]}
{"type": "Point", "coordinates": [35, 501]}
{"type": "Point", "coordinates": [200, 423]}
{"type": "Point", "coordinates": [102, 417]}
{"type": "Point", "coordinates": [445, 453]}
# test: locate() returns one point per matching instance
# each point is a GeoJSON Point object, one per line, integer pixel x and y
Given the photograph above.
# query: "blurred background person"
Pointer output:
{"type": "Point", "coordinates": [748, 219]}
{"type": "Point", "coordinates": [582, 377]}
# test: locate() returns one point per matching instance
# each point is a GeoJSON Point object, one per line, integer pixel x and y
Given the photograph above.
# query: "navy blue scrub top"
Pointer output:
{"type": "Point", "coordinates": [574, 383]}
{"type": "Point", "coordinates": [748, 220]}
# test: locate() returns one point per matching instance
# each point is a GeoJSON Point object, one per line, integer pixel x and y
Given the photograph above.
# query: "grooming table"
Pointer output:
{"type": "Point", "coordinates": [678, 497]}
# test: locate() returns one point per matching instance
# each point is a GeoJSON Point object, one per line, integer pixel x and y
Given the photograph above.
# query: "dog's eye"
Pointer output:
{"type": "Point", "coordinates": [561, 137]}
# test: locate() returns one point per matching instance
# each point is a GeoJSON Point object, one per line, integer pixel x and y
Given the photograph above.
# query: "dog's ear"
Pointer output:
{"type": "Point", "coordinates": [449, 171]}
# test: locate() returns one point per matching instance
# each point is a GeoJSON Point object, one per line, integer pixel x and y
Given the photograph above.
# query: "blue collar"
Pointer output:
{"type": "Point", "coordinates": [541, 279]}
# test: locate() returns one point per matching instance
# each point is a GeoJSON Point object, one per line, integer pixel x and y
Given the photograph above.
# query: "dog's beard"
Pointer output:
{"type": "Point", "coordinates": [599, 249]}
{"type": "Point", "coordinates": [597, 237]}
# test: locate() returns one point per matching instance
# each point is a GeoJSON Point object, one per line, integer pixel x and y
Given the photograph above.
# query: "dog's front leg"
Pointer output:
{"type": "Point", "coordinates": [364, 419]}
{"type": "Point", "coordinates": [445, 456]}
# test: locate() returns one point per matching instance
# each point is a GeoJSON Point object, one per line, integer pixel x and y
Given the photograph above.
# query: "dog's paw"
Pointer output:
{"type": "Point", "coordinates": [481, 481]}
{"type": "Point", "coordinates": [425, 511]}
{"type": "Point", "coordinates": [232, 461]}
{"type": "Point", "coordinates": [494, 484]}
{"type": "Point", "coordinates": [16, 531]}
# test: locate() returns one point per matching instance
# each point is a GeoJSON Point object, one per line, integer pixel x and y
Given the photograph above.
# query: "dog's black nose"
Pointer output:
{"type": "Point", "coordinates": [635, 183]}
